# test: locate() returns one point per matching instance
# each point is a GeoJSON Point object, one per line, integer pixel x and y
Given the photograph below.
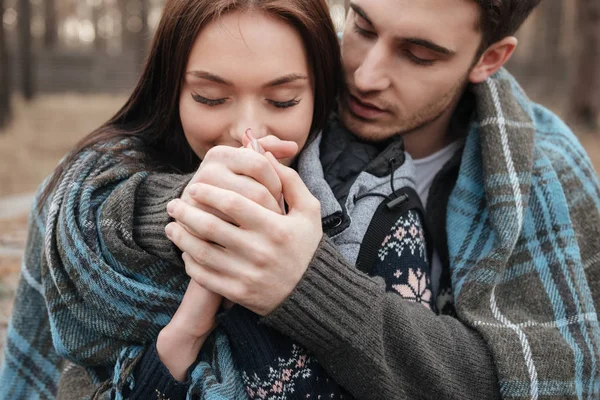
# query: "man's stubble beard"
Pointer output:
{"type": "Point", "coordinates": [374, 131]}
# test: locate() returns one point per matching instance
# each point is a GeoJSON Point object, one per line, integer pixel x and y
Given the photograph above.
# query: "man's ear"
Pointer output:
{"type": "Point", "coordinates": [492, 59]}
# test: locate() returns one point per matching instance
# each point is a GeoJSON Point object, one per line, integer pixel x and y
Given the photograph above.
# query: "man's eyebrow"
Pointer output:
{"type": "Point", "coordinates": [357, 9]}
{"type": "Point", "coordinates": [416, 41]}
{"type": "Point", "coordinates": [209, 77]}
{"type": "Point", "coordinates": [282, 80]}
{"type": "Point", "coordinates": [429, 45]}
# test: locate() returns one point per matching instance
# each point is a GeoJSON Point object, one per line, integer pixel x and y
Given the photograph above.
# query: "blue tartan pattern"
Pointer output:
{"type": "Point", "coordinates": [524, 250]}
{"type": "Point", "coordinates": [524, 218]}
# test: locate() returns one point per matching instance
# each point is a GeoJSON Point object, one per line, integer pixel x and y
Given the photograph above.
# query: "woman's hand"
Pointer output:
{"type": "Point", "coordinates": [179, 342]}
{"type": "Point", "coordinates": [259, 259]}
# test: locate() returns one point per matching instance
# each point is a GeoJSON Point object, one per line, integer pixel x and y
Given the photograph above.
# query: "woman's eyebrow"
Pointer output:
{"type": "Point", "coordinates": [210, 77]}
{"type": "Point", "coordinates": [282, 80]}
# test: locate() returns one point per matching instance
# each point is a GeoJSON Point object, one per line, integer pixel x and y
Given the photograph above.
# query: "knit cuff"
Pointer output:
{"type": "Point", "coordinates": [153, 379]}
{"type": "Point", "coordinates": [151, 218]}
{"type": "Point", "coordinates": [330, 307]}
{"type": "Point", "coordinates": [254, 345]}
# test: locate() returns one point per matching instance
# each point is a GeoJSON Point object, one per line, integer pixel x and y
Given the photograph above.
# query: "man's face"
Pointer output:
{"type": "Point", "coordinates": [406, 63]}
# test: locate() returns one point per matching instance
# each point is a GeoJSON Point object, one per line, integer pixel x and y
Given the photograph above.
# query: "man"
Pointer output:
{"type": "Point", "coordinates": [512, 202]}
{"type": "Point", "coordinates": [522, 239]}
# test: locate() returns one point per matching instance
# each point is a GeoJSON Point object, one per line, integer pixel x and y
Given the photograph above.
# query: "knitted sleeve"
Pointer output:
{"type": "Point", "coordinates": [378, 345]}
{"type": "Point", "coordinates": [153, 379]}
{"type": "Point", "coordinates": [110, 276]}
{"type": "Point", "coordinates": [148, 378]}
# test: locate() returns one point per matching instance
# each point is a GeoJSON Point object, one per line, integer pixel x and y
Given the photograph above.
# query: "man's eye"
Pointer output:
{"type": "Point", "coordinates": [284, 104]}
{"type": "Point", "coordinates": [207, 101]}
{"type": "Point", "coordinates": [417, 60]}
{"type": "Point", "coordinates": [363, 32]}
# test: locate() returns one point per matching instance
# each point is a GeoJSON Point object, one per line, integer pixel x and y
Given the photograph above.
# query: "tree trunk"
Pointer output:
{"type": "Point", "coordinates": [5, 88]}
{"type": "Point", "coordinates": [143, 35]}
{"type": "Point", "coordinates": [25, 49]}
{"type": "Point", "coordinates": [549, 32]}
{"type": "Point", "coordinates": [585, 98]}
{"type": "Point", "coordinates": [99, 42]}
{"type": "Point", "coordinates": [51, 25]}
{"type": "Point", "coordinates": [125, 33]}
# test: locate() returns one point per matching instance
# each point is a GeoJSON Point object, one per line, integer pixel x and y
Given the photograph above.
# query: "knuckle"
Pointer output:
{"type": "Point", "coordinates": [189, 269]}
{"type": "Point", "coordinates": [255, 277]}
{"type": "Point", "coordinates": [236, 293]}
{"type": "Point", "coordinates": [208, 172]}
{"type": "Point", "coordinates": [201, 255]}
{"type": "Point", "coordinates": [314, 206]}
{"type": "Point", "coordinates": [262, 197]}
{"type": "Point", "coordinates": [231, 205]}
{"type": "Point", "coordinates": [261, 256]}
{"type": "Point", "coordinates": [280, 235]}
{"type": "Point", "coordinates": [176, 234]}
{"type": "Point", "coordinates": [208, 224]}
{"type": "Point", "coordinates": [258, 165]}
{"type": "Point", "coordinates": [216, 152]}
{"type": "Point", "coordinates": [180, 211]}
{"type": "Point", "coordinates": [243, 294]}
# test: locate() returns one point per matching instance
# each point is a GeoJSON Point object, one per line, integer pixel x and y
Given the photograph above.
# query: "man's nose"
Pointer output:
{"type": "Point", "coordinates": [372, 74]}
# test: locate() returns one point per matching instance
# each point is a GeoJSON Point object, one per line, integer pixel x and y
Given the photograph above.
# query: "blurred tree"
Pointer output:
{"type": "Point", "coordinates": [4, 73]}
{"type": "Point", "coordinates": [585, 98]}
{"type": "Point", "coordinates": [126, 36]}
{"type": "Point", "coordinates": [97, 10]}
{"type": "Point", "coordinates": [548, 35]}
{"type": "Point", "coordinates": [144, 34]}
{"type": "Point", "coordinates": [25, 49]}
{"type": "Point", "coordinates": [50, 23]}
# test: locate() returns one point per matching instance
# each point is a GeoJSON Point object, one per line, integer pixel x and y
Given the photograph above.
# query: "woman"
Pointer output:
{"type": "Point", "coordinates": [104, 294]}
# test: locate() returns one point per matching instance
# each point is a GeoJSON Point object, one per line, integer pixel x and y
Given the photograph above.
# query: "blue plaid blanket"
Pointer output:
{"type": "Point", "coordinates": [524, 254]}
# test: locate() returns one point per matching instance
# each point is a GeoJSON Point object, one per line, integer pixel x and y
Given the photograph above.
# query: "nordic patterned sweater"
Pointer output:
{"type": "Point", "coordinates": [523, 223]}
{"type": "Point", "coordinates": [271, 365]}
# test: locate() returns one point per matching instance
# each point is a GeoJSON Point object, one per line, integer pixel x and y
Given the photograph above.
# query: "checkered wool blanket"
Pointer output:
{"type": "Point", "coordinates": [524, 255]}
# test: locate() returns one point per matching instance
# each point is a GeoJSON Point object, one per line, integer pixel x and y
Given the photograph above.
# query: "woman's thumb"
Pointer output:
{"type": "Point", "coordinates": [295, 192]}
{"type": "Point", "coordinates": [279, 148]}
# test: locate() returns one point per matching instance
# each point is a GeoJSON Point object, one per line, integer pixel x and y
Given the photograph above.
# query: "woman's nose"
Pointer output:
{"type": "Point", "coordinates": [249, 120]}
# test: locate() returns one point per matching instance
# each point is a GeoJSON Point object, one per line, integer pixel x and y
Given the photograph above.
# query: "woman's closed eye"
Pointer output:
{"type": "Point", "coordinates": [284, 104]}
{"type": "Point", "coordinates": [217, 102]}
{"type": "Point", "coordinates": [207, 101]}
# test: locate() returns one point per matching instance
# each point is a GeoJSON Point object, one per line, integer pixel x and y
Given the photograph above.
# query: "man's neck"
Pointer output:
{"type": "Point", "coordinates": [447, 128]}
{"type": "Point", "coordinates": [430, 138]}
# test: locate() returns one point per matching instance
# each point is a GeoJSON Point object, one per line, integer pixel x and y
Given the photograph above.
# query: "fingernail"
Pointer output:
{"type": "Point", "coordinates": [171, 207]}
{"type": "Point", "coordinates": [247, 134]}
{"type": "Point", "coordinates": [169, 230]}
{"type": "Point", "coordinates": [193, 190]}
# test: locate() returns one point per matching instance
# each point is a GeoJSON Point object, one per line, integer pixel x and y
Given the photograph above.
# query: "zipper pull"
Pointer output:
{"type": "Point", "coordinates": [397, 202]}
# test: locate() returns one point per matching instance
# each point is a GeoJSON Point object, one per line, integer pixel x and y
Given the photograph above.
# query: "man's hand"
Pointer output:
{"type": "Point", "coordinates": [244, 171]}
{"type": "Point", "coordinates": [257, 261]}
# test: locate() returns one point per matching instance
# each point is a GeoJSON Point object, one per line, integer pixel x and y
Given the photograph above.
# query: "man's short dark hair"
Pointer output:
{"type": "Point", "coordinates": [502, 18]}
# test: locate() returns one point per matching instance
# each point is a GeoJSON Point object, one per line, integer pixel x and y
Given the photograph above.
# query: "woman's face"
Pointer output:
{"type": "Point", "coordinates": [246, 70]}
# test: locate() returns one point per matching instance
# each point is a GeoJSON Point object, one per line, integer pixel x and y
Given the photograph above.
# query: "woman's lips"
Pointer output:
{"type": "Point", "coordinates": [362, 109]}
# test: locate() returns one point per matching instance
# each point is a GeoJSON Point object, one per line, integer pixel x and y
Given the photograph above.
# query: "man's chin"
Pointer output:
{"type": "Point", "coordinates": [368, 130]}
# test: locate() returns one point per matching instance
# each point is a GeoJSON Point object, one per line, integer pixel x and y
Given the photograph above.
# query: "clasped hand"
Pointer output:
{"type": "Point", "coordinates": [229, 225]}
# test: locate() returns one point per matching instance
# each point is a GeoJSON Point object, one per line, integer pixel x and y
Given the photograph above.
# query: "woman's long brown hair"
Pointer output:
{"type": "Point", "coordinates": [151, 114]}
